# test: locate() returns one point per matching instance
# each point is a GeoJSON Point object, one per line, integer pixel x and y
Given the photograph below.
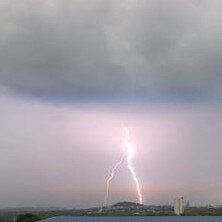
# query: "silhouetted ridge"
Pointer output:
{"type": "Point", "coordinates": [127, 204]}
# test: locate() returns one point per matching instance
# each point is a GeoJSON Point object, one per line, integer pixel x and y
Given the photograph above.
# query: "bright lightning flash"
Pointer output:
{"type": "Point", "coordinates": [111, 177]}
{"type": "Point", "coordinates": [129, 153]}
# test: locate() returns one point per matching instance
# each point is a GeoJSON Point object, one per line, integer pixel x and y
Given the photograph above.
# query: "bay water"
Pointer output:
{"type": "Point", "coordinates": [135, 219]}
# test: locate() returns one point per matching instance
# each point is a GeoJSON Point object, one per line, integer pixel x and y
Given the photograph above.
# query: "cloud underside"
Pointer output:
{"type": "Point", "coordinates": [111, 48]}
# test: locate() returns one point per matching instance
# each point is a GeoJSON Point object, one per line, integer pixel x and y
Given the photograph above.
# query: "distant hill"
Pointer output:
{"type": "Point", "coordinates": [127, 205]}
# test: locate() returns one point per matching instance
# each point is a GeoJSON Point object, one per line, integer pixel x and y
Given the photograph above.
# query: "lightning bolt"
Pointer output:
{"type": "Point", "coordinates": [113, 171]}
{"type": "Point", "coordinates": [128, 154]}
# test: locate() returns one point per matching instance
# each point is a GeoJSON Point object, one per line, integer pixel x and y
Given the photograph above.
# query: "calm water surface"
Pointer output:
{"type": "Point", "coordinates": [136, 219]}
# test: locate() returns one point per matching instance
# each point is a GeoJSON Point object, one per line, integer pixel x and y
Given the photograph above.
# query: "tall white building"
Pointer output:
{"type": "Point", "coordinates": [178, 206]}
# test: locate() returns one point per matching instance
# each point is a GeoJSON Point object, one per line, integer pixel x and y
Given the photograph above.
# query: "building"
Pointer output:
{"type": "Point", "coordinates": [178, 206]}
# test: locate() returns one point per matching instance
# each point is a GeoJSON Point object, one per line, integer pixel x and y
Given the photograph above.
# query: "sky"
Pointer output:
{"type": "Point", "coordinates": [74, 72]}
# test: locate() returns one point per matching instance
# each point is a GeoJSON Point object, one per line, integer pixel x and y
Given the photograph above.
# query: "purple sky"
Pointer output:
{"type": "Point", "coordinates": [53, 155]}
{"type": "Point", "coordinates": [73, 72]}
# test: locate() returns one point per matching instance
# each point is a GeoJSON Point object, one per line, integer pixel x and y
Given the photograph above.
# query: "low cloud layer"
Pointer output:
{"type": "Point", "coordinates": [54, 48]}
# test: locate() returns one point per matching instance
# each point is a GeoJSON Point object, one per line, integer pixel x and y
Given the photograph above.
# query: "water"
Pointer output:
{"type": "Point", "coordinates": [134, 219]}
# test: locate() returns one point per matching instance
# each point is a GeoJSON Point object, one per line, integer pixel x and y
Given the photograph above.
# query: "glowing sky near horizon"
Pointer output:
{"type": "Point", "coordinates": [65, 152]}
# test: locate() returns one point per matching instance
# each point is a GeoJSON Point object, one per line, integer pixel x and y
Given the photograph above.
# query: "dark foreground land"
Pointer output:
{"type": "Point", "coordinates": [119, 209]}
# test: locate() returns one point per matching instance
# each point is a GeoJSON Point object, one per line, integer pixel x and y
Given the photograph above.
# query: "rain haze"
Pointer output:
{"type": "Point", "coordinates": [73, 73]}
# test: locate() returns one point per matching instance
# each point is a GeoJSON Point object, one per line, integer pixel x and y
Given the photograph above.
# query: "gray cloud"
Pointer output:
{"type": "Point", "coordinates": [84, 48]}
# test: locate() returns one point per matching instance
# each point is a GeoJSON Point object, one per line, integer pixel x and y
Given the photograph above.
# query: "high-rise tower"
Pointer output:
{"type": "Point", "coordinates": [178, 206]}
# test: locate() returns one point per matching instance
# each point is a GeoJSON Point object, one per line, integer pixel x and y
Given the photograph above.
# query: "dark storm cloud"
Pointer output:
{"type": "Point", "coordinates": [87, 48]}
